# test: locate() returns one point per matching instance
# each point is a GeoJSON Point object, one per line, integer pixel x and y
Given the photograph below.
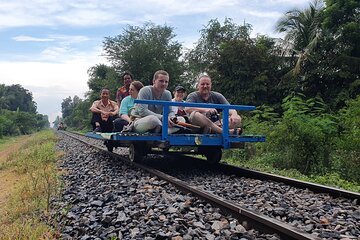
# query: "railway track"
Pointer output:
{"type": "Point", "coordinates": [274, 218]}
{"type": "Point", "coordinates": [107, 198]}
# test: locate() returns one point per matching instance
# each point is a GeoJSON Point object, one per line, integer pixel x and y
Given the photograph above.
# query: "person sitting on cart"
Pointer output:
{"type": "Point", "coordinates": [151, 115]}
{"type": "Point", "coordinates": [126, 105]}
{"type": "Point", "coordinates": [179, 95]}
{"type": "Point", "coordinates": [124, 90]}
{"type": "Point", "coordinates": [208, 118]}
{"type": "Point", "coordinates": [104, 111]}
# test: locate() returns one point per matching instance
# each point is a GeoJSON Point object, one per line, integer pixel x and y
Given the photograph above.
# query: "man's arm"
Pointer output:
{"type": "Point", "coordinates": [116, 108]}
{"type": "Point", "coordinates": [193, 97]}
{"type": "Point", "coordinates": [94, 107]}
{"type": "Point", "coordinates": [142, 109]}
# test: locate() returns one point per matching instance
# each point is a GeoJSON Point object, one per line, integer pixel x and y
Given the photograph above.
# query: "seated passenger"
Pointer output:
{"type": "Point", "coordinates": [179, 95]}
{"type": "Point", "coordinates": [126, 104]}
{"type": "Point", "coordinates": [202, 116]}
{"type": "Point", "coordinates": [124, 90]}
{"type": "Point", "coordinates": [104, 112]}
{"type": "Point", "coordinates": [151, 115]}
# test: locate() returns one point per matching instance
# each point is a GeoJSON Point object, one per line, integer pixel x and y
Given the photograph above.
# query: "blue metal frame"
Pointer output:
{"type": "Point", "coordinates": [225, 139]}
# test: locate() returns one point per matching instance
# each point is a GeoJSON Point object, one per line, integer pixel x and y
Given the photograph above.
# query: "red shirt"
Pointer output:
{"type": "Point", "coordinates": [121, 93]}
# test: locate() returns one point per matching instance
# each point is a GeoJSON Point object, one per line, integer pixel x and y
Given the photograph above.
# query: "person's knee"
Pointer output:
{"type": "Point", "coordinates": [234, 124]}
{"type": "Point", "coordinates": [199, 119]}
{"type": "Point", "coordinates": [119, 124]}
{"type": "Point", "coordinates": [147, 123]}
{"type": "Point", "coordinates": [154, 121]}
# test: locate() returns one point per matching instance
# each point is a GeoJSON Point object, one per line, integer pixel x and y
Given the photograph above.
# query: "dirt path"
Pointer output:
{"type": "Point", "coordinates": [8, 178]}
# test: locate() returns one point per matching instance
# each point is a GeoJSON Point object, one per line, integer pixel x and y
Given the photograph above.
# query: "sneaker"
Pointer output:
{"type": "Point", "coordinates": [97, 129]}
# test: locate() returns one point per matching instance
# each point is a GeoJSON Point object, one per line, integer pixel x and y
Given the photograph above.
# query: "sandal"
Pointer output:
{"type": "Point", "coordinates": [237, 131]}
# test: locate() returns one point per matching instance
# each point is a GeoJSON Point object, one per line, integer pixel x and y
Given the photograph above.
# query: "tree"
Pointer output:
{"type": "Point", "coordinates": [15, 97]}
{"type": "Point", "coordinates": [144, 50]}
{"type": "Point", "coordinates": [342, 18]}
{"type": "Point", "coordinates": [101, 76]}
{"type": "Point", "coordinates": [245, 73]}
{"type": "Point", "coordinates": [66, 107]}
{"type": "Point", "coordinates": [42, 122]}
{"type": "Point", "coordinates": [207, 49]}
{"type": "Point", "coordinates": [325, 64]}
{"type": "Point", "coordinates": [81, 116]}
{"type": "Point", "coordinates": [4, 104]}
{"type": "Point", "coordinates": [303, 31]}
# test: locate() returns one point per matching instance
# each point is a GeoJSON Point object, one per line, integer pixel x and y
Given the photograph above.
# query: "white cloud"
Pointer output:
{"type": "Point", "coordinates": [291, 2]}
{"type": "Point", "coordinates": [23, 38]}
{"type": "Point", "coordinates": [264, 14]}
{"type": "Point", "coordinates": [97, 13]}
{"type": "Point", "coordinates": [52, 82]}
{"type": "Point", "coordinates": [70, 38]}
{"type": "Point", "coordinates": [58, 54]}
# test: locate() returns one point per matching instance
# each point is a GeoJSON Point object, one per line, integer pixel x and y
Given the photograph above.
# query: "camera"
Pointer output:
{"type": "Point", "coordinates": [214, 117]}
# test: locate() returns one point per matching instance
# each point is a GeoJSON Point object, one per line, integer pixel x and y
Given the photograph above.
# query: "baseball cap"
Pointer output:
{"type": "Point", "coordinates": [180, 88]}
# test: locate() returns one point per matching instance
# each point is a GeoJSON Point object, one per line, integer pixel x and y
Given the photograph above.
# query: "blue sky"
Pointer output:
{"type": "Point", "coordinates": [48, 45]}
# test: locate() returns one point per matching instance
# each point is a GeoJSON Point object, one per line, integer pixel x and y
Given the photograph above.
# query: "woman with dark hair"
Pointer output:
{"type": "Point", "coordinates": [123, 91]}
{"type": "Point", "coordinates": [126, 104]}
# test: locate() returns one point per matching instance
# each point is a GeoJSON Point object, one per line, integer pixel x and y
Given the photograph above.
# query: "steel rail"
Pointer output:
{"type": "Point", "coordinates": [248, 217]}
{"type": "Point", "coordinates": [318, 188]}
{"type": "Point", "coordinates": [254, 174]}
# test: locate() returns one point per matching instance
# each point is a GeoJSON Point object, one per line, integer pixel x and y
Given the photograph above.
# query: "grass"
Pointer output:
{"type": "Point", "coordinates": [32, 175]}
{"type": "Point", "coordinates": [5, 142]}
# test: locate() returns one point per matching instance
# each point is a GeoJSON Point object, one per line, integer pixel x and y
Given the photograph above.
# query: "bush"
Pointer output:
{"type": "Point", "coordinates": [347, 156]}
{"type": "Point", "coordinates": [303, 142]}
{"type": "Point", "coordinates": [13, 123]}
{"type": "Point", "coordinates": [303, 138]}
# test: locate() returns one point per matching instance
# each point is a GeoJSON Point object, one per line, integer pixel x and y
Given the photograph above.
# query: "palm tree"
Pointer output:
{"type": "Point", "coordinates": [303, 31]}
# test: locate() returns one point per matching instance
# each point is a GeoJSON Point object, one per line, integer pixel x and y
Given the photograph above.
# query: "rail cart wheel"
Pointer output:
{"type": "Point", "coordinates": [136, 153]}
{"type": "Point", "coordinates": [213, 154]}
{"type": "Point", "coordinates": [109, 146]}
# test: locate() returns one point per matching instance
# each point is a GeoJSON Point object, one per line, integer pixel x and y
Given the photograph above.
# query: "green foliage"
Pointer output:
{"type": "Point", "coordinates": [244, 72]}
{"type": "Point", "coordinates": [42, 122]}
{"type": "Point", "coordinates": [265, 113]}
{"type": "Point", "coordinates": [18, 112]}
{"type": "Point", "coordinates": [324, 40]}
{"type": "Point", "coordinates": [15, 98]}
{"type": "Point", "coordinates": [303, 32]}
{"type": "Point", "coordinates": [80, 117]}
{"type": "Point", "coordinates": [17, 123]}
{"type": "Point", "coordinates": [100, 76]}
{"type": "Point", "coordinates": [348, 145]}
{"type": "Point", "coordinates": [308, 133]}
{"type": "Point", "coordinates": [213, 36]}
{"type": "Point", "coordinates": [144, 50]}
{"type": "Point", "coordinates": [342, 18]}
{"type": "Point", "coordinates": [7, 127]}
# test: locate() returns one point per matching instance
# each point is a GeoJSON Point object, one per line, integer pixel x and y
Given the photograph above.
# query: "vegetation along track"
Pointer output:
{"type": "Point", "coordinates": [319, 214]}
